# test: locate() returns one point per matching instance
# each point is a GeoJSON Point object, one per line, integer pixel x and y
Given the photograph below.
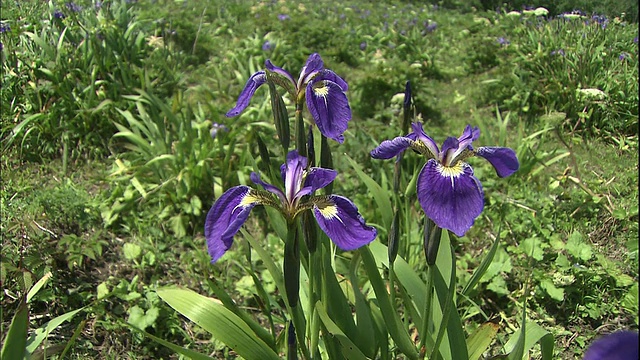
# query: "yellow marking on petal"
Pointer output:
{"type": "Point", "coordinates": [321, 90]}
{"type": "Point", "coordinates": [451, 172]}
{"type": "Point", "coordinates": [329, 211]}
{"type": "Point", "coordinates": [248, 199]}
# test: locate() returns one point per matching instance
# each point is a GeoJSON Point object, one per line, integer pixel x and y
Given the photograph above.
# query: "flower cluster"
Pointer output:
{"type": "Point", "coordinates": [336, 215]}
{"type": "Point", "coordinates": [323, 90]}
{"type": "Point", "coordinates": [448, 191]}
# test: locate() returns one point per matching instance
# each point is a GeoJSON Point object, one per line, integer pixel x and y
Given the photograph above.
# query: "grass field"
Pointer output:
{"type": "Point", "coordinates": [115, 145]}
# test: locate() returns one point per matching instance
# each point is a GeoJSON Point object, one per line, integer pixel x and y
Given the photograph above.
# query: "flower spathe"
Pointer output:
{"type": "Point", "coordinates": [322, 89]}
{"type": "Point", "coordinates": [447, 189]}
{"type": "Point", "coordinates": [337, 216]}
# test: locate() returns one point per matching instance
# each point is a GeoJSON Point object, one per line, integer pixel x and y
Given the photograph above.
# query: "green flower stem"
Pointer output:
{"type": "Point", "coordinates": [292, 284]}
{"type": "Point", "coordinates": [301, 145]}
{"type": "Point", "coordinates": [426, 315]}
{"type": "Point", "coordinates": [445, 313]}
{"type": "Point", "coordinates": [315, 281]}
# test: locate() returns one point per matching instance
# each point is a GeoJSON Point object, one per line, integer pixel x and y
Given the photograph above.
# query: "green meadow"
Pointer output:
{"type": "Point", "coordinates": [115, 145]}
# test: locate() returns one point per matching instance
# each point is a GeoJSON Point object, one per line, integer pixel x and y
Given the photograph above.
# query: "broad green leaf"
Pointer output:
{"type": "Point", "coordinates": [142, 319]}
{"type": "Point", "coordinates": [390, 314]}
{"type": "Point", "coordinates": [223, 324]}
{"type": "Point", "coordinates": [41, 333]}
{"type": "Point", "coordinates": [34, 290]}
{"type": "Point", "coordinates": [484, 265]}
{"type": "Point", "coordinates": [533, 334]}
{"type": "Point", "coordinates": [131, 251]}
{"type": "Point", "coordinates": [349, 349]}
{"type": "Point", "coordinates": [381, 197]}
{"type": "Point", "coordinates": [16, 338]}
{"type": "Point", "coordinates": [179, 349]}
{"type": "Point", "coordinates": [480, 340]}
{"type": "Point", "coordinates": [553, 291]}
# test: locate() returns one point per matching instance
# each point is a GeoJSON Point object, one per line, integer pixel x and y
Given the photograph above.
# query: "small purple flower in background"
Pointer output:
{"type": "Point", "coordinates": [430, 26]}
{"type": "Point", "coordinates": [559, 52]}
{"type": "Point", "coordinates": [363, 46]}
{"type": "Point", "coordinates": [337, 216]}
{"type": "Point", "coordinates": [215, 128]}
{"type": "Point", "coordinates": [98, 5]}
{"type": "Point", "coordinates": [266, 46]}
{"type": "Point", "coordinates": [58, 14]}
{"type": "Point", "coordinates": [635, 40]}
{"type": "Point", "coordinates": [503, 41]}
{"type": "Point", "coordinates": [323, 90]}
{"type": "Point", "coordinates": [1, 46]}
{"type": "Point", "coordinates": [448, 192]}
{"type": "Point", "coordinates": [601, 20]}
{"type": "Point", "coordinates": [4, 28]}
{"type": "Point", "coordinates": [283, 17]}
{"type": "Point", "coordinates": [621, 345]}
{"type": "Point", "coordinates": [73, 7]}
{"type": "Point", "coordinates": [624, 56]}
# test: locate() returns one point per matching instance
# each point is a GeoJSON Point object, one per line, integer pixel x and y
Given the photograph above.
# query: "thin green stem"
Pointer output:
{"type": "Point", "coordinates": [426, 315]}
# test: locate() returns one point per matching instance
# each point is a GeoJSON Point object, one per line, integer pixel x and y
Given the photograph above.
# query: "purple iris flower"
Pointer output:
{"type": "Point", "coordinates": [4, 28]}
{"type": "Point", "coordinates": [363, 46]}
{"type": "Point", "coordinates": [337, 216]}
{"type": "Point", "coordinates": [283, 17]}
{"type": "Point", "coordinates": [216, 128]}
{"type": "Point", "coordinates": [73, 7]}
{"type": "Point", "coordinates": [503, 41]}
{"type": "Point", "coordinates": [430, 26]}
{"type": "Point", "coordinates": [323, 90]}
{"type": "Point", "coordinates": [621, 345]}
{"type": "Point", "coordinates": [559, 52]}
{"type": "Point", "coordinates": [266, 46]}
{"type": "Point", "coordinates": [448, 192]}
{"type": "Point", "coordinates": [58, 14]}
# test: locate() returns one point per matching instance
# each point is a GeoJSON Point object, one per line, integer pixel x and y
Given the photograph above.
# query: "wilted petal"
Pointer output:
{"type": "Point", "coordinates": [331, 76]}
{"type": "Point", "coordinates": [255, 177]}
{"type": "Point", "coordinates": [621, 345]}
{"type": "Point", "coordinates": [451, 197]}
{"type": "Point", "coordinates": [310, 69]}
{"type": "Point", "coordinates": [225, 218]}
{"type": "Point", "coordinates": [338, 217]}
{"type": "Point", "coordinates": [316, 179]}
{"type": "Point", "coordinates": [504, 160]}
{"type": "Point", "coordinates": [250, 88]}
{"type": "Point", "coordinates": [329, 107]}
{"type": "Point", "coordinates": [390, 148]}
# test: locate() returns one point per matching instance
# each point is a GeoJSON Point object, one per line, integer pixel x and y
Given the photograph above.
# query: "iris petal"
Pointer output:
{"type": "Point", "coordinates": [621, 345]}
{"type": "Point", "coordinates": [316, 179]}
{"type": "Point", "coordinates": [329, 107]}
{"type": "Point", "coordinates": [338, 217]}
{"type": "Point", "coordinates": [331, 76]}
{"type": "Point", "coordinates": [504, 160]}
{"type": "Point", "coordinates": [419, 134]}
{"type": "Point", "coordinates": [225, 218]}
{"type": "Point", "coordinates": [451, 197]}
{"type": "Point", "coordinates": [390, 148]}
{"type": "Point", "coordinates": [254, 82]}
{"type": "Point", "coordinates": [292, 173]}
{"type": "Point", "coordinates": [310, 69]}
{"type": "Point", "coordinates": [255, 177]}
{"type": "Point", "coordinates": [279, 71]}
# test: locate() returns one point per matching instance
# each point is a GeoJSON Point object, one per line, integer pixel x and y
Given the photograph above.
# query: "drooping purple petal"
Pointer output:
{"type": "Point", "coordinates": [419, 134]}
{"type": "Point", "coordinates": [621, 345]}
{"type": "Point", "coordinates": [338, 217]}
{"type": "Point", "coordinates": [504, 160]}
{"type": "Point", "coordinates": [225, 218]}
{"type": "Point", "coordinates": [451, 197]}
{"type": "Point", "coordinates": [331, 76]}
{"type": "Point", "coordinates": [316, 179]}
{"type": "Point", "coordinates": [310, 69]}
{"type": "Point", "coordinates": [254, 82]}
{"type": "Point", "coordinates": [390, 148]}
{"type": "Point", "coordinates": [329, 107]}
{"type": "Point", "coordinates": [255, 177]}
